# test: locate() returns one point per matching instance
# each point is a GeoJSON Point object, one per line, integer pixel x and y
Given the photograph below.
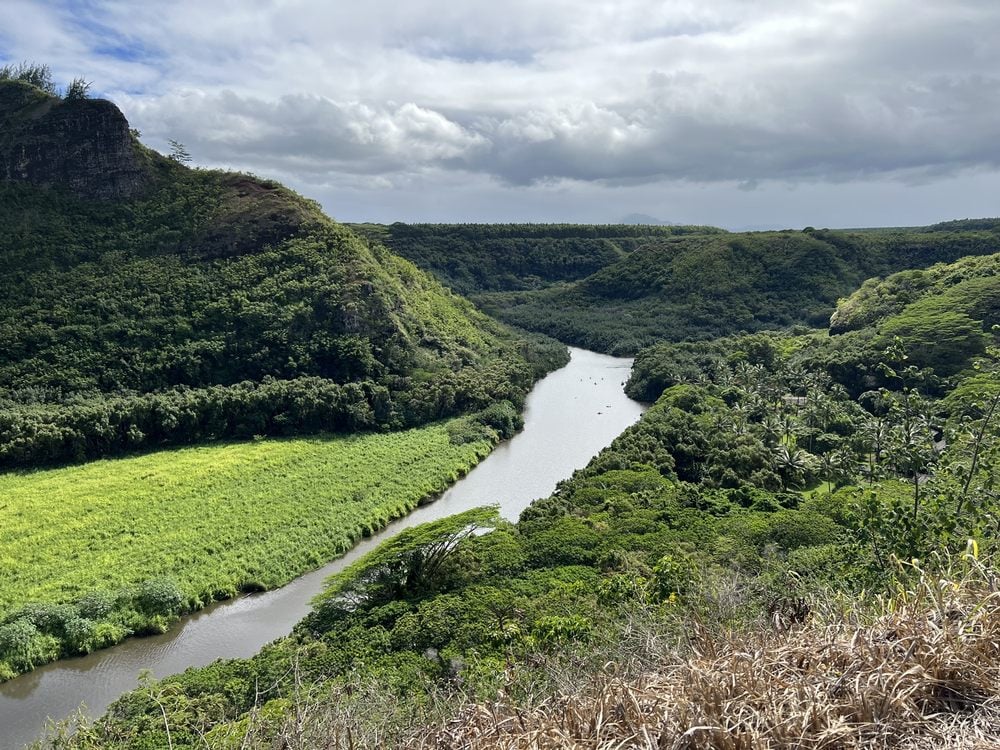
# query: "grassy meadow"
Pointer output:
{"type": "Point", "coordinates": [208, 520]}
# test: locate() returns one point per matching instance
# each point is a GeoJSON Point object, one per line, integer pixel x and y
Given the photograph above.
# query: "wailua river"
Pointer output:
{"type": "Point", "coordinates": [569, 417]}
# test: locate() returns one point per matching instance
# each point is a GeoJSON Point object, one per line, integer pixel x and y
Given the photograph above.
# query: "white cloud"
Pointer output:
{"type": "Point", "coordinates": [547, 93]}
{"type": "Point", "coordinates": [308, 135]}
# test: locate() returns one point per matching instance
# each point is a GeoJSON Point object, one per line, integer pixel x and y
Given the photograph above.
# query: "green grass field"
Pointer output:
{"type": "Point", "coordinates": [214, 519]}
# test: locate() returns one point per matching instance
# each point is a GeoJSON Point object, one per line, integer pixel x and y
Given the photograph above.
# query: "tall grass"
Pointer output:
{"type": "Point", "coordinates": [211, 520]}
{"type": "Point", "coordinates": [919, 668]}
{"type": "Point", "coordinates": [922, 670]}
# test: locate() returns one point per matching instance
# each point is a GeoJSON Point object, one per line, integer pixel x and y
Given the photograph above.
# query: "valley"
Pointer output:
{"type": "Point", "coordinates": [208, 387]}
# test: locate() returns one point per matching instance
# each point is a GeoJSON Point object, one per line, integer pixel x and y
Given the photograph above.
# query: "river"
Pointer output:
{"type": "Point", "coordinates": [570, 415]}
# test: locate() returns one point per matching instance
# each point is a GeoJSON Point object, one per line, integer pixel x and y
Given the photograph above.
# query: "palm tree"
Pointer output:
{"type": "Point", "coordinates": [912, 453]}
{"type": "Point", "coordinates": [791, 465]}
{"type": "Point", "coordinates": [772, 428]}
{"type": "Point", "coordinates": [740, 416]}
{"type": "Point", "coordinates": [875, 432]}
{"type": "Point", "coordinates": [838, 467]}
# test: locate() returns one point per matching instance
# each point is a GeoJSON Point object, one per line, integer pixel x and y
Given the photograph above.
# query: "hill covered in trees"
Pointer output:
{"type": "Point", "coordinates": [779, 504]}
{"type": "Point", "coordinates": [474, 258]}
{"type": "Point", "coordinates": [146, 303]}
{"type": "Point", "coordinates": [617, 289]}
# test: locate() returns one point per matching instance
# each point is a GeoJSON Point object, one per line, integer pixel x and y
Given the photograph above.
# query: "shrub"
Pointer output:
{"type": "Point", "coordinates": [77, 89]}
{"type": "Point", "coordinates": [555, 629]}
{"type": "Point", "coordinates": [78, 635]}
{"type": "Point", "coordinates": [672, 575]}
{"type": "Point", "coordinates": [503, 417]}
{"type": "Point", "coordinates": [23, 647]}
{"type": "Point", "coordinates": [49, 618]}
{"type": "Point", "coordinates": [159, 596]}
{"type": "Point", "coordinates": [97, 605]}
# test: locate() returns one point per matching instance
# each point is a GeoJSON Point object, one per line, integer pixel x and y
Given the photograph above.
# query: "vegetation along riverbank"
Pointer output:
{"type": "Point", "coordinates": [795, 494]}
{"type": "Point", "coordinates": [147, 305]}
{"type": "Point", "coordinates": [95, 553]}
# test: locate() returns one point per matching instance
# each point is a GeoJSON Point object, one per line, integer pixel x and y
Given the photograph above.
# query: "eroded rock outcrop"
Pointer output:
{"type": "Point", "coordinates": [82, 145]}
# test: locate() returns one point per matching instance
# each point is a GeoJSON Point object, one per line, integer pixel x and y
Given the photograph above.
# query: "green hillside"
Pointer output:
{"type": "Point", "coordinates": [474, 258]}
{"type": "Point", "coordinates": [709, 286]}
{"type": "Point", "coordinates": [938, 320]}
{"type": "Point", "coordinates": [210, 305]}
{"type": "Point", "coordinates": [619, 288]}
{"type": "Point", "coordinates": [145, 304]}
{"type": "Point", "coordinates": [970, 286]}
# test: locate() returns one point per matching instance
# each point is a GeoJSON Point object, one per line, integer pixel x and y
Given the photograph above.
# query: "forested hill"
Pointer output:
{"type": "Point", "coordinates": [472, 258]}
{"type": "Point", "coordinates": [619, 288]}
{"type": "Point", "coordinates": [198, 304]}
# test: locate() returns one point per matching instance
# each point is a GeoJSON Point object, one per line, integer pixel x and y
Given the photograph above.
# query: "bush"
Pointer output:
{"type": "Point", "coordinates": [78, 635]}
{"type": "Point", "coordinates": [39, 76]}
{"type": "Point", "coordinates": [470, 430]}
{"type": "Point", "coordinates": [672, 575]}
{"type": "Point", "coordinates": [77, 89]}
{"type": "Point", "coordinates": [49, 618]}
{"type": "Point", "coordinates": [556, 629]}
{"type": "Point", "coordinates": [791, 529]}
{"type": "Point", "coordinates": [23, 647]}
{"type": "Point", "coordinates": [568, 541]}
{"type": "Point", "coordinates": [159, 596]}
{"type": "Point", "coordinates": [97, 605]}
{"type": "Point", "coordinates": [503, 417]}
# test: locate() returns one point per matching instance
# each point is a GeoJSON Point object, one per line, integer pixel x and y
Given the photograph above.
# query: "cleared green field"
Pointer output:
{"type": "Point", "coordinates": [213, 519]}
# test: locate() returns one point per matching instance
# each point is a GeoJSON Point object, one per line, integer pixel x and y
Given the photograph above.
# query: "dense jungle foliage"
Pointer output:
{"type": "Point", "coordinates": [220, 305]}
{"type": "Point", "coordinates": [618, 289]}
{"type": "Point", "coordinates": [772, 467]}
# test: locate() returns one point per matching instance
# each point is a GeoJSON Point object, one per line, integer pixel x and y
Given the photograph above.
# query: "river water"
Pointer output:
{"type": "Point", "coordinates": [569, 417]}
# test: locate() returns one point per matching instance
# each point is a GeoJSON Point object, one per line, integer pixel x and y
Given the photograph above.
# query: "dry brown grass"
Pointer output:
{"type": "Point", "coordinates": [922, 672]}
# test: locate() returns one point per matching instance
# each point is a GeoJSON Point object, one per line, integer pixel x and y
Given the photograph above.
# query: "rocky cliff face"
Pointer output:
{"type": "Point", "coordinates": [81, 145]}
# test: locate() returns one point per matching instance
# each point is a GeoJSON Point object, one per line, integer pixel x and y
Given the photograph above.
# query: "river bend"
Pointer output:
{"type": "Point", "coordinates": [570, 415]}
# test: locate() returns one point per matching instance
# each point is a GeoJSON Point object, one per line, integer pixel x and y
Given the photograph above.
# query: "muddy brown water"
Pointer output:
{"type": "Point", "coordinates": [569, 417]}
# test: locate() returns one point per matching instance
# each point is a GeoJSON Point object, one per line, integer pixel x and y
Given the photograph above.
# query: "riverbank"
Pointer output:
{"type": "Point", "coordinates": [96, 553]}
{"type": "Point", "coordinates": [569, 417]}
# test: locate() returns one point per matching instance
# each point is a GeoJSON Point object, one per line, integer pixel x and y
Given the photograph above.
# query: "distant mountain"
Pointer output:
{"type": "Point", "coordinates": [645, 219]}
{"type": "Point", "coordinates": [758, 228]}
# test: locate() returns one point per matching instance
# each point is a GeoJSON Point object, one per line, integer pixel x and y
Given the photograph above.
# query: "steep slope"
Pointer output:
{"type": "Point", "coordinates": [82, 145]}
{"type": "Point", "coordinates": [940, 317]}
{"type": "Point", "coordinates": [970, 285]}
{"type": "Point", "coordinates": [197, 304]}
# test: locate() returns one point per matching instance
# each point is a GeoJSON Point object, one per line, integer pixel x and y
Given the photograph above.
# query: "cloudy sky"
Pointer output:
{"type": "Point", "coordinates": [738, 113]}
